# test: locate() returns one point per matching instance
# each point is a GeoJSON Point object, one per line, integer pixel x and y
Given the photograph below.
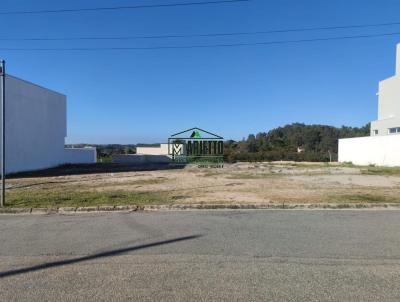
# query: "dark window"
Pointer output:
{"type": "Point", "coordinates": [394, 130]}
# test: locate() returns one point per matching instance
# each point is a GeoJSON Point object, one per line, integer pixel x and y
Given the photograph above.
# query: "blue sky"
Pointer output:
{"type": "Point", "coordinates": [143, 96]}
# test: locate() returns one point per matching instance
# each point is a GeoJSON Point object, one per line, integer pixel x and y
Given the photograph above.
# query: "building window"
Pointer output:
{"type": "Point", "coordinates": [376, 132]}
{"type": "Point", "coordinates": [394, 130]}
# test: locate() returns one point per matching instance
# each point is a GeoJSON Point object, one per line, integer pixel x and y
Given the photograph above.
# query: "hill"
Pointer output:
{"type": "Point", "coordinates": [298, 142]}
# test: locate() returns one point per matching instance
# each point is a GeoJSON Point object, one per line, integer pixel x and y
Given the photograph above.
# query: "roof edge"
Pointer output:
{"type": "Point", "coordinates": [34, 84]}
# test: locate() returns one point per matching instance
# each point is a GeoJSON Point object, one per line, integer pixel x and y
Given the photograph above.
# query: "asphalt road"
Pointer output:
{"type": "Point", "coordinates": [202, 256]}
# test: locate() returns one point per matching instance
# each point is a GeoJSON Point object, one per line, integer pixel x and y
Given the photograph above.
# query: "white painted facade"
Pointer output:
{"type": "Point", "coordinates": [36, 127]}
{"type": "Point", "coordinates": [382, 148]}
{"type": "Point", "coordinates": [388, 104]}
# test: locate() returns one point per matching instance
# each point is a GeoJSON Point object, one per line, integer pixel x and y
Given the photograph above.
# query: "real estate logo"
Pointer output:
{"type": "Point", "coordinates": [197, 146]}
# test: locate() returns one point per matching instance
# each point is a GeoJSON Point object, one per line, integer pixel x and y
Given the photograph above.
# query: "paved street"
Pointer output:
{"type": "Point", "coordinates": [202, 256]}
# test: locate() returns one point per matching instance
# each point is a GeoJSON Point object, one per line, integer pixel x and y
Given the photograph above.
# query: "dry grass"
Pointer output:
{"type": "Point", "coordinates": [59, 198]}
{"type": "Point", "coordinates": [236, 183]}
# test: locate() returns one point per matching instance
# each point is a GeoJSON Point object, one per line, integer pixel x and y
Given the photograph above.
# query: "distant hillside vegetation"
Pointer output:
{"type": "Point", "coordinates": [317, 143]}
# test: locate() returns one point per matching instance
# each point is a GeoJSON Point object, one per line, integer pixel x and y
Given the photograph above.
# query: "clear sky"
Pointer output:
{"type": "Point", "coordinates": [133, 96]}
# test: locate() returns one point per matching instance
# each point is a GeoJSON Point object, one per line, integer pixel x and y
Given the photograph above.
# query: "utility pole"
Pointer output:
{"type": "Point", "coordinates": [3, 133]}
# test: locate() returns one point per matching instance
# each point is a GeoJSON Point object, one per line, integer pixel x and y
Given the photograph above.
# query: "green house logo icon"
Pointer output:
{"type": "Point", "coordinates": [195, 134]}
{"type": "Point", "coordinates": [196, 146]}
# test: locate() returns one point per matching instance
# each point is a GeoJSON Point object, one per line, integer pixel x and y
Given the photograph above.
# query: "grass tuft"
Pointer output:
{"type": "Point", "coordinates": [363, 198]}
{"type": "Point", "coordinates": [381, 171]}
{"type": "Point", "coordinates": [52, 199]}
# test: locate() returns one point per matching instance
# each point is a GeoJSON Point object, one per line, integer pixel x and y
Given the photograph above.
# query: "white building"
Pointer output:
{"type": "Point", "coordinates": [36, 127]}
{"type": "Point", "coordinates": [389, 104]}
{"type": "Point", "coordinates": [383, 146]}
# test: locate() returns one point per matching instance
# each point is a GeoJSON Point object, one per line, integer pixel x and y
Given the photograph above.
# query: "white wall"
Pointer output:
{"type": "Point", "coordinates": [80, 155]}
{"type": "Point", "coordinates": [376, 150]}
{"type": "Point", "coordinates": [398, 59]}
{"type": "Point", "coordinates": [389, 102]}
{"type": "Point", "coordinates": [161, 150]}
{"type": "Point", "coordinates": [35, 127]}
{"type": "Point", "coordinates": [140, 159]}
{"type": "Point", "coordinates": [389, 93]}
{"type": "Point", "coordinates": [383, 125]}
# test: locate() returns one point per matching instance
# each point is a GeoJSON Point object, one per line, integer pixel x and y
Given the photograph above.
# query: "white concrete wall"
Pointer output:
{"type": "Point", "coordinates": [389, 98]}
{"type": "Point", "coordinates": [375, 150]}
{"type": "Point", "coordinates": [80, 155]}
{"type": "Point", "coordinates": [161, 150]}
{"type": "Point", "coordinates": [140, 159]}
{"type": "Point", "coordinates": [35, 127]}
{"type": "Point", "coordinates": [398, 60]}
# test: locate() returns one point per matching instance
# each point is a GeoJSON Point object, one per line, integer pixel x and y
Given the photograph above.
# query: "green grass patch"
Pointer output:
{"type": "Point", "coordinates": [310, 166]}
{"type": "Point", "coordinates": [139, 182]}
{"type": "Point", "coordinates": [363, 197]}
{"type": "Point", "coordinates": [254, 175]}
{"type": "Point", "coordinates": [52, 199]}
{"type": "Point", "coordinates": [381, 171]}
{"type": "Point", "coordinates": [348, 164]}
{"type": "Point", "coordinates": [153, 181]}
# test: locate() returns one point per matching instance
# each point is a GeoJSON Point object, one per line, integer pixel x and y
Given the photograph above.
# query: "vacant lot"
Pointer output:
{"type": "Point", "coordinates": [275, 182]}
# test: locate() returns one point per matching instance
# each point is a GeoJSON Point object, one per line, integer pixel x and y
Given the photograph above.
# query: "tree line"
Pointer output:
{"type": "Point", "coordinates": [294, 142]}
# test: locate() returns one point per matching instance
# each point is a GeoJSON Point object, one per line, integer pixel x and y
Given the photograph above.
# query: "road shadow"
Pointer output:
{"type": "Point", "coordinates": [111, 253]}
{"type": "Point", "coordinates": [97, 168]}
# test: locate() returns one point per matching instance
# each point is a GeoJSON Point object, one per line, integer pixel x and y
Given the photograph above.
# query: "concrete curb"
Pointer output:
{"type": "Point", "coordinates": [183, 207]}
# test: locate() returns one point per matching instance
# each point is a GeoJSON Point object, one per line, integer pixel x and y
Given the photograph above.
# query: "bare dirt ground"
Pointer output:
{"type": "Point", "coordinates": [275, 182]}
